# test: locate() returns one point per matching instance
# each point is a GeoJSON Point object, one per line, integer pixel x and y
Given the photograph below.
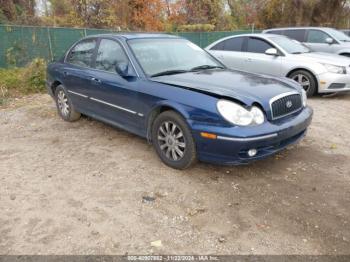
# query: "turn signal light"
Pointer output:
{"type": "Point", "coordinates": [208, 135]}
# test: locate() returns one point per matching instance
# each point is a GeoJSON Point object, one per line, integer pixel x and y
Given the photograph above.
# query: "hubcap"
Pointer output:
{"type": "Point", "coordinates": [303, 80]}
{"type": "Point", "coordinates": [171, 141]}
{"type": "Point", "coordinates": [62, 102]}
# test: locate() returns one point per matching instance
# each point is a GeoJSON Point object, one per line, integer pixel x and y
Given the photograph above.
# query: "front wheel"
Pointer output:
{"type": "Point", "coordinates": [306, 80]}
{"type": "Point", "coordinates": [173, 141]}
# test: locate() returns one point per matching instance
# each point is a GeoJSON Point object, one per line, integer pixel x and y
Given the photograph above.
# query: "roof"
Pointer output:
{"type": "Point", "coordinates": [298, 27]}
{"type": "Point", "coordinates": [136, 35]}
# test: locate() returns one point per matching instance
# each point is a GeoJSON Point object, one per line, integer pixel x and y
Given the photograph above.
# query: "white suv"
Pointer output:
{"type": "Point", "coordinates": [319, 39]}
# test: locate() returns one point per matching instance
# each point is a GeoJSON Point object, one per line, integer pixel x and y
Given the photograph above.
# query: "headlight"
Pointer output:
{"type": "Point", "coordinates": [238, 115]}
{"type": "Point", "coordinates": [304, 97]}
{"type": "Point", "coordinates": [335, 69]}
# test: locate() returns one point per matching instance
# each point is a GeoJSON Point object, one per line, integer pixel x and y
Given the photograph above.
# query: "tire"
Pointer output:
{"type": "Point", "coordinates": [303, 77]}
{"type": "Point", "coordinates": [64, 105]}
{"type": "Point", "coordinates": [173, 141]}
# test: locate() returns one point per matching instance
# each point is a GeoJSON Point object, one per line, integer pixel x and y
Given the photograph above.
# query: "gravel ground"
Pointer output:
{"type": "Point", "coordinates": [87, 188]}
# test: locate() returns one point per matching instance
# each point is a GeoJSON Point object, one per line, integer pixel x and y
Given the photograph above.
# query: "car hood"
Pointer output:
{"type": "Point", "coordinates": [243, 86]}
{"type": "Point", "coordinates": [345, 44]}
{"type": "Point", "coordinates": [327, 58]}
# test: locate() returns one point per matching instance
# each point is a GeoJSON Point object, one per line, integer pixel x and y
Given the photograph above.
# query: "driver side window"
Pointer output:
{"type": "Point", "coordinates": [109, 54]}
{"type": "Point", "coordinates": [317, 36]}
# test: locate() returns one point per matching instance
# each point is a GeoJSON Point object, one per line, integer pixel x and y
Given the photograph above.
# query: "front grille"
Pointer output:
{"type": "Point", "coordinates": [286, 105]}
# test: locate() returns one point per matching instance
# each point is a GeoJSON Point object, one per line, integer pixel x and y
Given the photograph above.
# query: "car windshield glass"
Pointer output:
{"type": "Point", "coordinates": [171, 56]}
{"type": "Point", "coordinates": [290, 46]}
{"type": "Point", "coordinates": [338, 35]}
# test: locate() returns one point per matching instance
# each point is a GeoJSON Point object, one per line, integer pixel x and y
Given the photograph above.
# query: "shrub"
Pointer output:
{"type": "Point", "coordinates": [196, 28]}
{"type": "Point", "coordinates": [29, 79]}
{"type": "Point", "coordinates": [34, 76]}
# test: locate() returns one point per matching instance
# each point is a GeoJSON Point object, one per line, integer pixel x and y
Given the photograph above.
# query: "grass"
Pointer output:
{"type": "Point", "coordinates": [24, 80]}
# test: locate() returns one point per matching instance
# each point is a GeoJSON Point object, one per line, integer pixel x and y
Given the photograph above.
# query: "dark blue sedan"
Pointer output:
{"type": "Point", "coordinates": [178, 97]}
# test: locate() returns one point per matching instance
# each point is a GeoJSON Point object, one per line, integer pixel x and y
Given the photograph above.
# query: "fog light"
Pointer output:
{"type": "Point", "coordinates": [252, 152]}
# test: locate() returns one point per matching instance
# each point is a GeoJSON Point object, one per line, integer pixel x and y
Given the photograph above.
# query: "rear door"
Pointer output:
{"type": "Point", "coordinates": [257, 61]}
{"type": "Point", "coordinates": [297, 34]}
{"type": "Point", "coordinates": [77, 73]}
{"type": "Point", "coordinates": [229, 52]}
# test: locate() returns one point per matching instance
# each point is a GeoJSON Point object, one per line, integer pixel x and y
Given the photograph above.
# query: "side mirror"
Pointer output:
{"type": "Point", "coordinates": [271, 51]}
{"type": "Point", "coordinates": [329, 40]}
{"type": "Point", "coordinates": [122, 69]}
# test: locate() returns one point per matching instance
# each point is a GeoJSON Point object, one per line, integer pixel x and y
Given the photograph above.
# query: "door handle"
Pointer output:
{"type": "Point", "coordinates": [249, 60]}
{"type": "Point", "coordinates": [96, 80]}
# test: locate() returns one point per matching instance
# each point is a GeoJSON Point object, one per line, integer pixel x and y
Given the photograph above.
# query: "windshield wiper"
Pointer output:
{"type": "Point", "coordinates": [204, 67]}
{"type": "Point", "coordinates": [298, 53]}
{"type": "Point", "coordinates": [169, 72]}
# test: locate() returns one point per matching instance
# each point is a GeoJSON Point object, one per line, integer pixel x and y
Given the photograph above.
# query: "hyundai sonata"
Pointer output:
{"type": "Point", "coordinates": [178, 97]}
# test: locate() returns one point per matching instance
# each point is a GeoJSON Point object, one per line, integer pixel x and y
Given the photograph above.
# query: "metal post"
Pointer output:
{"type": "Point", "coordinates": [50, 43]}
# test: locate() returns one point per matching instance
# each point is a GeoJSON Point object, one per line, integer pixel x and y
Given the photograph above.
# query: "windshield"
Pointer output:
{"type": "Point", "coordinates": [340, 36]}
{"type": "Point", "coordinates": [290, 46]}
{"type": "Point", "coordinates": [166, 56]}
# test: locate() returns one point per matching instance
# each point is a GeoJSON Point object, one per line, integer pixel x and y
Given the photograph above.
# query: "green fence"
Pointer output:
{"type": "Point", "coordinates": [20, 44]}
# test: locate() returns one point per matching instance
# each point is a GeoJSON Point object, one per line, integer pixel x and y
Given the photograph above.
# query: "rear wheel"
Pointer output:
{"type": "Point", "coordinates": [64, 105]}
{"type": "Point", "coordinates": [173, 141]}
{"type": "Point", "coordinates": [306, 80]}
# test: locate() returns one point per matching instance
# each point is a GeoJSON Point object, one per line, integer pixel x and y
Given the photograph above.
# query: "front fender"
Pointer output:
{"type": "Point", "coordinates": [314, 68]}
{"type": "Point", "coordinates": [152, 114]}
{"type": "Point", "coordinates": [343, 51]}
{"type": "Point", "coordinates": [180, 108]}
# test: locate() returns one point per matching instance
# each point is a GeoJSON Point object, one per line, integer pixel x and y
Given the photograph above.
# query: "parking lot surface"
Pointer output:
{"type": "Point", "coordinates": [88, 188]}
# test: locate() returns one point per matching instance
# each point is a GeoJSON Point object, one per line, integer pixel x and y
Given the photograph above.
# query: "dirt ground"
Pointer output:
{"type": "Point", "coordinates": [87, 188]}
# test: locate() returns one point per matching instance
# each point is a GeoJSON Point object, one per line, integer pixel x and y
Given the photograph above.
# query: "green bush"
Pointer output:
{"type": "Point", "coordinates": [196, 28]}
{"type": "Point", "coordinates": [25, 80]}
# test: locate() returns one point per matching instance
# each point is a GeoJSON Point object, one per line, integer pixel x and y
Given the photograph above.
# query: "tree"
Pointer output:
{"type": "Point", "coordinates": [203, 11]}
{"type": "Point", "coordinates": [244, 12]}
{"type": "Point", "coordinates": [147, 15]}
{"type": "Point", "coordinates": [299, 12]}
{"type": "Point", "coordinates": [18, 11]}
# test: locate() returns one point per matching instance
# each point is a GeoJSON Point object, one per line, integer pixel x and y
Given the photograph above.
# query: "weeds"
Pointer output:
{"type": "Point", "coordinates": [25, 80]}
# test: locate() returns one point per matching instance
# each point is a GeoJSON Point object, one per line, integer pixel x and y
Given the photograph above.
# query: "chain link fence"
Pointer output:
{"type": "Point", "coordinates": [21, 44]}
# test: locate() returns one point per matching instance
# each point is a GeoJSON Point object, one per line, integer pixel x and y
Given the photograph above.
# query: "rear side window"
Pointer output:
{"type": "Point", "coordinates": [109, 54]}
{"type": "Point", "coordinates": [232, 44]}
{"type": "Point", "coordinates": [297, 34]}
{"type": "Point", "coordinates": [82, 53]}
{"type": "Point", "coordinates": [219, 46]}
{"type": "Point", "coordinates": [317, 36]}
{"type": "Point", "coordinates": [256, 45]}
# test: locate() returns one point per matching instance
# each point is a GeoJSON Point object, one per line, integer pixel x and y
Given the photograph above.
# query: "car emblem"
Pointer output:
{"type": "Point", "coordinates": [289, 104]}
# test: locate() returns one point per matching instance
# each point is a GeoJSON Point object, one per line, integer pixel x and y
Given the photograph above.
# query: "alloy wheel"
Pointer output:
{"type": "Point", "coordinates": [62, 101]}
{"type": "Point", "coordinates": [303, 80]}
{"type": "Point", "coordinates": [171, 141]}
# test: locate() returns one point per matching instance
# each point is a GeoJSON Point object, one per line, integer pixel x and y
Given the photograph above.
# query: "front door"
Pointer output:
{"type": "Point", "coordinates": [316, 40]}
{"type": "Point", "coordinates": [258, 62]}
{"type": "Point", "coordinates": [114, 97]}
